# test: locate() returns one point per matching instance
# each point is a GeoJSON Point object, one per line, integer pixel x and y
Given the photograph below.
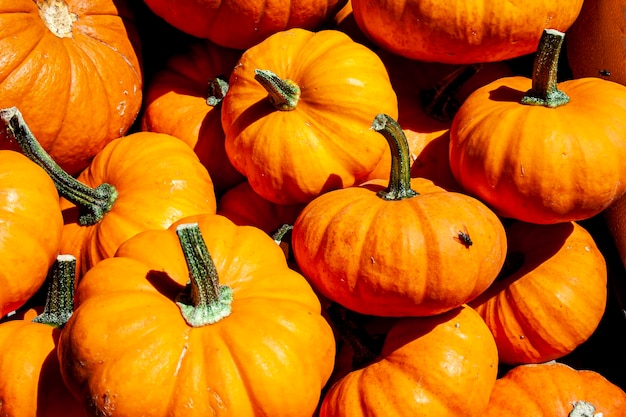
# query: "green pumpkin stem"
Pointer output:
{"type": "Point", "coordinates": [400, 177]}
{"type": "Point", "coordinates": [544, 91]}
{"type": "Point", "coordinates": [439, 102]}
{"type": "Point", "coordinates": [583, 409]}
{"type": "Point", "coordinates": [218, 87]}
{"type": "Point", "coordinates": [282, 94]}
{"type": "Point", "coordinates": [92, 203]}
{"type": "Point", "coordinates": [60, 298]}
{"type": "Point", "coordinates": [204, 301]}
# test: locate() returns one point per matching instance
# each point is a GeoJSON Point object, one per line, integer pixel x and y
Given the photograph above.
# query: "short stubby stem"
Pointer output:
{"type": "Point", "coordinates": [282, 94]}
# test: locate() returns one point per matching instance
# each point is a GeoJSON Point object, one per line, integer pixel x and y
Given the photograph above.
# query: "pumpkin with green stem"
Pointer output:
{"type": "Point", "coordinates": [244, 337]}
{"type": "Point", "coordinates": [137, 182]}
{"type": "Point", "coordinates": [30, 229]}
{"type": "Point", "coordinates": [30, 376]}
{"type": "Point", "coordinates": [541, 151]}
{"type": "Point", "coordinates": [398, 247]}
{"type": "Point", "coordinates": [298, 112]}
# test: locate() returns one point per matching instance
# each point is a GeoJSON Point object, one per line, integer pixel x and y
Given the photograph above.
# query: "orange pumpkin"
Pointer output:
{"type": "Point", "coordinates": [443, 366]}
{"type": "Point", "coordinates": [298, 111]}
{"type": "Point", "coordinates": [244, 338]}
{"type": "Point", "coordinates": [71, 67]}
{"type": "Point", "coordinates": [30, 377]}
{"type": "Point", "coordinates": [183, 100]}
{"type": "Point", "coordinates": [30, 226]}
{"type": "Point", "coordinates": [241, 24]}
{"type": "Point", "coordinates": [551, 293]}
{"type": "Point", "coordinates": [554, 390]}
{"type": "Point", "coordinates": [461, 31]}
{"type": "Point", "coordinates": [409, 249]}
{"type": "Point", "coordinates": [541, 151]}
{"type": "Point", "coordinates": [140, 181]}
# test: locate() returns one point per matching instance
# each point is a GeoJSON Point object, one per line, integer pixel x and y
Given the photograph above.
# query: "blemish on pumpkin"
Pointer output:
{"type": "Point", "coordinates": [57, 17]}
{"type": "Point", "coordinates": [121, 108]}
{"type": "Point", "coordinates": [372, 260]}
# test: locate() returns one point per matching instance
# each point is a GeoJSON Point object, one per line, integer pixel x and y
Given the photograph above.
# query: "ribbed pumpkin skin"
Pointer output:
{"type": "Point", "coordinates": [241, 24]}
{"type": "Point", "coordinates": [159, 179]}
{"type": "Point", "coordinates": [554, 301]}
{"type": "Point", "coordinates": [30, 378]}
{"type": "Point", "coordinates": [324, 143]}
{"type": "Point", "coordinates": [398, 258]}
{"type": "Point", "coordinates": [30, 229]}
{"type": "Point", "coordinates": [461, 31]}
{"type": "Point", "coordinates": [443, 366]}
{"type": "Point", "coordinates": [550, 389]}
{"type": "Point", "coordinates": [76, 93]}
{"type": "Point", "coordinates": [538, 164]}
{"type": "Point", "coordinates": [128, 351]}
{"type": "Point", "coordinates": [176, 104]}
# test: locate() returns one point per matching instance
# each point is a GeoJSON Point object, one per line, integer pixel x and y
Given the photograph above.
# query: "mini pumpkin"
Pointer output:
{"type": "Point", "coordinates": [411, 248]}
{"type": "Point", "coordinates": [541, 151]}
{"type": "Point", "coordinates": [71, 67]}
{"type": "Point", "coordinates": [244, 338]}
{"type": "Point", "coordinates": [30, 226]}
{"type": "Point", "coordinates": [550, 295]}
{"type": "Point", "coordinates": [298, 112]}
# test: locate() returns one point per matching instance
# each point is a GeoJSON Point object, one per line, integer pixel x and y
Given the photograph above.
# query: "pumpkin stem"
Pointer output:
{"type": "Point", "coordinates": [583, 409]}
{"type": "Point", "coordinates": [218, 87]}
{"type": "Point", "coordinates": [204, 300]}
{"type": "Point", "coordinates": [60, 298]}
{"type": "Point", "coordinates": [439, 102]}
{"type": "Point", "coordinates": [282, 237]}
{"type": "Point", "coordinates": [283, 94]}
{"type": "Point", "coordinates": [400, 177]}
{"type": "Point", "coordinates": [544, 91]}
{"type": "Point", "coordinates": [92, 203]}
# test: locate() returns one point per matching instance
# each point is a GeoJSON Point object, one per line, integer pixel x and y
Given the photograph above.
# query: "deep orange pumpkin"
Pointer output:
{"type": "Point", "coordinates": [241, 24]}
{"type": "Point", "coordinates": [73, 68]}
{"type": "Point", "coordinates": [551, 293]}
{"type": "Point", "coordinates": [315, 135]}
{"type": "Point", "coordinates": [183, 100]}
{"type": "Point", "coordinates": [134, 345]}
{"type": "Point", "coordinates": [443, 366]}
{"type": "Point", "coordinates": [547, 161]}
{"type": "Point", "coordinates": [461, 31]}
{"type": "Point", "coordinates": [30, 377]}
{"type": "Point", "coordinates": [554, 390]}
{"type": "Point", "coordinates": [137, 182]}
{"type": "Point", "coordinates": [30, 226]}
{"type": "Point", "coordinates": [409, 249]}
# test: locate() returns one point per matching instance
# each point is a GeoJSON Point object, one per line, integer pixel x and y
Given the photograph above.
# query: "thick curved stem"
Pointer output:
{"type": "Point", "coordinates": [92, 203]}
{"type": "Point", "coordinates": [400, 177]}
{"type": "Point", "coordinates": [545, 91]}
{"type": "Point", "coordinates": [60, 299]}
{"type": "Point", "coordinates": [283, 94]}
{"type": "Point", "coordinates": [204, 300]}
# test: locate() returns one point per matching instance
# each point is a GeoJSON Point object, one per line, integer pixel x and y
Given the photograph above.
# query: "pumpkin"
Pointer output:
{"type": "Point", "coordinates": [244, 338]}
{"type": "Point", "coordinates": [71, 67]}
{"type": "Point", "coordinates": [554, 389]}
{"type": "Point", "coordinates": [443, 365]}
{"type": "Point", "coordinates": [30, 226]}
{"type": "Point", "coordinates": [30, 377]}
{"type": "Point", "coordinates": [541, 151]}
{"type": "Point", "coordinates": [551, 293]}
{"type": "Point", "coordinates": [429, 94]}
{"type": "Point", "coordinates": [298, 111]}
{"type": "Point", "coordinates": [461, 32]}
{"type": "Point", "coordinates": [183, 100]}
{"type": "Point", "coordinates": [411, 248]}
{"type": "Point", "coordinates": [140, 181]}
{"type": "Point", "coordinates": [243, 206]}
{"type": "Point", "coordinates": [241, 24]}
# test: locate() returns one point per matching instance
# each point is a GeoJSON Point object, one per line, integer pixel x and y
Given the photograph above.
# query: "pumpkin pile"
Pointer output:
{"type": "Point", "coordinates": [329, 208]}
